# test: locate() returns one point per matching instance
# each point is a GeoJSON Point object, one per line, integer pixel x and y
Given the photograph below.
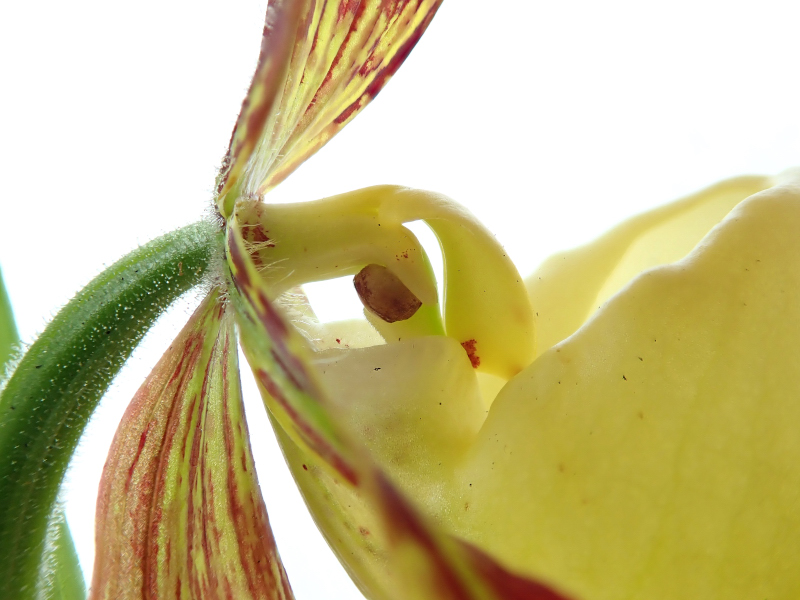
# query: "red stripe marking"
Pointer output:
{"type": "Point", "coordinates": [241, 277]}
{"type": "Point", "coordinates": [294, 370]}
{"type": "Point", "coordinates": [309, 433]}
{"type": "Point", "coordinates": [407, 523]}
{"type": "Point", "coordinates": [274, 42]}
{"type": "Point", "coordinates": [259, 555]}
{"type": "Point", "coordinates": [135, 461]}
{"type": "Point", "coordinates": [506, 584]}
{"type": "Point", "coordinates": [273, 322]}
{"type": "Point", "coordinates": [380, 80]}
{"type": "Point", "coordinates": [182, 376]}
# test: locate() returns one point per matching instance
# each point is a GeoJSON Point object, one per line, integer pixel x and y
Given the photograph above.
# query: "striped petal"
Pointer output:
{"type": "Point", "coordinates": [321, 62]}
{"type": "Point", "coordinates": [389, 546]}
{"type": "Point", "coordinates": [179, 513]}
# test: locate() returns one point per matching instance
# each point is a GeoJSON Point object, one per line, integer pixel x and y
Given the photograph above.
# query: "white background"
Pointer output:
{"type": "Point", "coordinates": [551, 120]}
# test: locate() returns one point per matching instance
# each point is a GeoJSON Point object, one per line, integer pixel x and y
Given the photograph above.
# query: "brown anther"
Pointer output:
{"type": "Point", "coordinates": [382, 293]}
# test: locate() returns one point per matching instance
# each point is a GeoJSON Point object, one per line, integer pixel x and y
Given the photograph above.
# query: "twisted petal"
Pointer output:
{"type": "Point", "coordinates": [321, 62]}
{"type": "Point", "coordinates": [390, 548]}
{"type": "Point", "coordinates": [179, 513]}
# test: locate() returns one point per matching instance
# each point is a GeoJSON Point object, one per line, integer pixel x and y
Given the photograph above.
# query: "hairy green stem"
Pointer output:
{"type": "Point", "coordinates": [57, 385]}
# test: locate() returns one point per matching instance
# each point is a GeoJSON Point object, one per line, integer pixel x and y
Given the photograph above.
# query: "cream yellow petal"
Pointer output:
{"type": "Point", "coordinates": [416, 407]}
{"type": "Point", "coordinates": [655, 453]}
{"type": "Point", "coordinates": [568, 287]}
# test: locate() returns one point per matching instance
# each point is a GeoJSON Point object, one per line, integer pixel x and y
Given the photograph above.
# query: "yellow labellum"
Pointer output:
{"type": "Point", "coordinates": [650, 451]}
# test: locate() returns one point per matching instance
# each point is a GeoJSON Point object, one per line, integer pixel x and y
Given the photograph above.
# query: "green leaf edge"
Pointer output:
{"type": "Point", "coordinates": [60, 575]}
{"type": "Point", "coordinates": [9, 338]}
{"type": "Point", "coordinates": [59, 382]}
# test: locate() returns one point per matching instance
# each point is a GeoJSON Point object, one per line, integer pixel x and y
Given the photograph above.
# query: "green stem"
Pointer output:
{"type": "Point", "coordinates": [57, 385]}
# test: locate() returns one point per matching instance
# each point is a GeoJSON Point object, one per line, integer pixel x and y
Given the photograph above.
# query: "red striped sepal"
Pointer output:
{"type": "Point", "coordinates": [321, 62]}
{"type": "Point", "coordinates": [180, 513]}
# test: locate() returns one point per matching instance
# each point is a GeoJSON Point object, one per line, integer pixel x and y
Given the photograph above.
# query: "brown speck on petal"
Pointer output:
{"type": "Point", "coordinates": [382, 293]}
{"type": "Point", "coordinates": [470, 346]}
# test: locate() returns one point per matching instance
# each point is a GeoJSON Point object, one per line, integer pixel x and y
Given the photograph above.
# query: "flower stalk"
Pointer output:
{"type": "Point", "coordinates": [56, 386]}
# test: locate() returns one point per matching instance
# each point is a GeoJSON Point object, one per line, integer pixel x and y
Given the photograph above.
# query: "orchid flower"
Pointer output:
{"type": "Point", "coordinates": [617, 425]}
{"type": "Point", "coordinates": [179, 508]}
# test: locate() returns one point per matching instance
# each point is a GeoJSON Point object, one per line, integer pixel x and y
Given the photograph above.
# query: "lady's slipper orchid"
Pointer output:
{"type": "Point", "coordinates": [179, 511]}
{"type": "Point", "coordinates": [618, 425]}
